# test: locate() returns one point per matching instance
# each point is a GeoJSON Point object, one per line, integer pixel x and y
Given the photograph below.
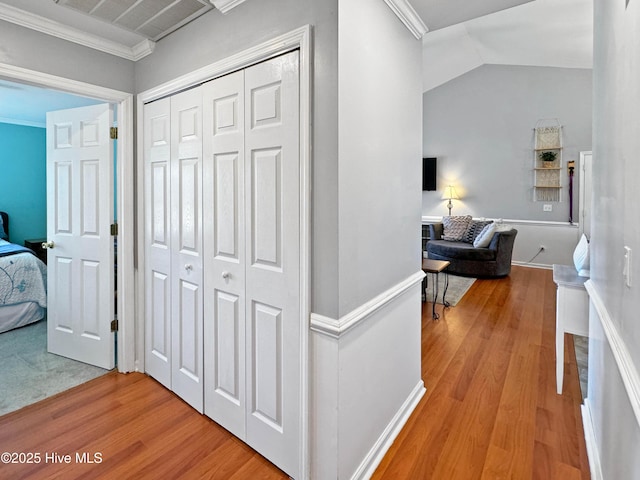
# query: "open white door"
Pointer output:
{"type": "Point", "coordinates": [80, 275]}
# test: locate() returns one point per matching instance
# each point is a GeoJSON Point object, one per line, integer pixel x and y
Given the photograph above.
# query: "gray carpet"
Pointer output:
{"type": "Point", "coordinates": [458, 286]}
{"type": "Point", "coordinates": [29, 373]}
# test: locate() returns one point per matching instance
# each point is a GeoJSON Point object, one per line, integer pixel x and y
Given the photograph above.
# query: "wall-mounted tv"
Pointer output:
{"type": "Point", "coordinates": [428, 174]}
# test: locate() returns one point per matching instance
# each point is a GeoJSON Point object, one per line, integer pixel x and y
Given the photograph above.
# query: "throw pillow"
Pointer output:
{"type": "Point", "coordinates": [484, 238]}
{"type": "Point", "coordinates": [581, 257]}
{"type": "Point", "coordinates": [454, 227]}
{"type": "Point", "coordinates": [474, 229]}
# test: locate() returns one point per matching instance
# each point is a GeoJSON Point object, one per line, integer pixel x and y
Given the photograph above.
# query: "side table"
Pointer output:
{"type": "Point", "coordinates": [434, 267]}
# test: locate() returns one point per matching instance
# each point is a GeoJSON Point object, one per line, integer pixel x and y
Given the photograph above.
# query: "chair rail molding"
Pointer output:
{"type": "Point", "coordinates": [56, 29]}
{"type": "Point", "coordinates": [626, 367]}
{"type": "Point", "coordinates": [337, 327]}
{"type": "Point", "coordinates": [407, 15]}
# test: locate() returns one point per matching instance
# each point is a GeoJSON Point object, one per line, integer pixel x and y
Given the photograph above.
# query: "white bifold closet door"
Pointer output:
{"type": "Point", "coordinates": [173, 235]}
{"type": "Point", "coordinates": [252, 257]}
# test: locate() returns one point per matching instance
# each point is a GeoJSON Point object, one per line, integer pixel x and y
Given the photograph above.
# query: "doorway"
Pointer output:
{"type": "Point", "coordinates": [125, 193]}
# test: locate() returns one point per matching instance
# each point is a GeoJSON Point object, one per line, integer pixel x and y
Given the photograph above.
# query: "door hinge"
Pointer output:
{"type": "Point", "coordinates": [114, 229]}
{"type": "Point", "coordinates": [113, 133]}
{"type": "Point", "coordinates": [114, 325]}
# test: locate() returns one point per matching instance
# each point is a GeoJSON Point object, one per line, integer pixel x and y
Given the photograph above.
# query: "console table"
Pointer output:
{"type": "Point", "coordinates": [572, 312]}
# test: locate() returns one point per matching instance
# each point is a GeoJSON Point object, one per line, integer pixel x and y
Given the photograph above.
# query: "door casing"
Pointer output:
{"type": "Point", "coordinates": [126, 301]}
{"type": "Point", "coordinates": [299, 39]}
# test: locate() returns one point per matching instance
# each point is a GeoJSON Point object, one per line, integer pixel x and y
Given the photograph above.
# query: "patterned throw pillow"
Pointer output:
{"type": "Point", "coordinates": [454, 227]}
{"type": "Point", "coordinates": [474, 229]}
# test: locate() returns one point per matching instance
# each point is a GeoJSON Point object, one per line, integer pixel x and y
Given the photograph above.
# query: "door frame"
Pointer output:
{"type": "Point", "coordinates": [298, 39]}
{"type": "Point", "coordinates": [125, 193]}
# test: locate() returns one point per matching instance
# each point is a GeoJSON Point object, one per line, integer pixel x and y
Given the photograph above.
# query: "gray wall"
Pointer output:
{"type": "Point", "coordinates": [213, 37]}
{"type": "Point", "coordinates": [32, 50]}
{"type": "Point", "coordinates": [616, 210]}
{"type": "Point", "coordinates": [380, 152]}
{"type": "Point", "coordinates": [480, 127]}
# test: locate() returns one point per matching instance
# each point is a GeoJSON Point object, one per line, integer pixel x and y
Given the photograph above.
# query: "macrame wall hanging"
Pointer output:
{"type": "Point", "coordinates": [548, 161]}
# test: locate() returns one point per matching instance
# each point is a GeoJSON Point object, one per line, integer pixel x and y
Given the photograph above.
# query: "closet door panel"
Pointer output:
{"type": "Point", "coordinates": [272, 276]}
{"type": "Point", "coordinates": [157, 241]}
{"type": "Point", "coordinates": [224, 228]}
{"type": "Point", "coordinates": [186, 260]}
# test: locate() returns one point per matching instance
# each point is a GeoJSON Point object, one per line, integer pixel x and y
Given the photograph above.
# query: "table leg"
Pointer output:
{"type": "Point", "coordinates": [434, 315]}
{"type": "Point", "coordinates": [446, 286]}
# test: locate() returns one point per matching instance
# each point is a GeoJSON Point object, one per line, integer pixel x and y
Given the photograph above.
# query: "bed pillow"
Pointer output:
{"type": "Point", "coordinates": [454, 227]}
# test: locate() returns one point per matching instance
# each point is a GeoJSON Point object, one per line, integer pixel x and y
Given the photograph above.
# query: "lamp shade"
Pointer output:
{"type": "Point", "coordinates": [450, 193]}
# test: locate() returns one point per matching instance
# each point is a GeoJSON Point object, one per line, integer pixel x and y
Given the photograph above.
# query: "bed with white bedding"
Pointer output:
{"type": "Point", "coordinates": [23, 283]}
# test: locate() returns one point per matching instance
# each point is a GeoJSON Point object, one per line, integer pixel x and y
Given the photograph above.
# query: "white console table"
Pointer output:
{"type": "Point", "coordinates": [572, 312]}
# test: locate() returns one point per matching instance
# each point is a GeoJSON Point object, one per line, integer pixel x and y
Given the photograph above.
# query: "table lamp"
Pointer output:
{"type": "Point", "coordinates": [450, 194]}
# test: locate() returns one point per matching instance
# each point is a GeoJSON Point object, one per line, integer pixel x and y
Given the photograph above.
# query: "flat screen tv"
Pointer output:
{"type": "Point", "coordinates": [428, 174]}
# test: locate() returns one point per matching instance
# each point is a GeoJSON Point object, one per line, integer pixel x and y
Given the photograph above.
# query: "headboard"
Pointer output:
{"type": "Point", "coordinates": [5, 224]}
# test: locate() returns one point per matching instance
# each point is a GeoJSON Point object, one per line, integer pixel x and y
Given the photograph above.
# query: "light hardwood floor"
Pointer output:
{"type": "Point", "coordinates": [490, 410]}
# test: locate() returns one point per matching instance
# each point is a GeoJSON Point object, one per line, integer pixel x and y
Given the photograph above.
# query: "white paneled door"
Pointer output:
{"type": "Point", "coordinates": [252, 257]}
{"type": "Point", "coordinates": [222, 253]}
{"type": "Point", "coordinates": [80, 273]}
{"type": "Point", "coordinates": [173, 297]}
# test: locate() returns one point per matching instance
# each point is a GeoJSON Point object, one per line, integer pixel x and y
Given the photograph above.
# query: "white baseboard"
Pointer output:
{"type": "Point", "coordinates": [590, 440]}
{"type": "Point", "coordinates": [384, 442]}
{"type": "Point", "coordinates": [543, 266]}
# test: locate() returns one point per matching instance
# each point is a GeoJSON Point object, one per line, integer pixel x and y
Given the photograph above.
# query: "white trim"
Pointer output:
{"type": "Point", "coordinates": [590, 440]}
{"type": "Point", "coordinates": [65, 32]}
{"type": "Point", "coordinates": [512, 221]}
{"type": "Point", "coordinates": [384, 441]}
{"type": "Point", "coordinates": [259, 53]}
{"type": "Point", "coordinates": [334, 328]}
{"type": "Point", "coordinates": [624, 361]}
{"type": "Point", "coordinates": [542, 266]}
{"type": "Point", "coordinates": [407, 15]}
{"type": "Point", "coordinates": [301, 39]}
{"type": "Point", "coordinates": [24, 123]}
{"type": "Point", "coordinates": [225, 5]}
{"type": "Point", "coordinates": [126, 272]}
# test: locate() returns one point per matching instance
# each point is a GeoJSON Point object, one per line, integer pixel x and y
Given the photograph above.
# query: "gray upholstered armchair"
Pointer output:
{"type": "Point", "coordinates": [466, 260]}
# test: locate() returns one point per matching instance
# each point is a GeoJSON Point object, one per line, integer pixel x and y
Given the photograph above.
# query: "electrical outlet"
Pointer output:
{"type": "Point", "coordinates": [547, 207]}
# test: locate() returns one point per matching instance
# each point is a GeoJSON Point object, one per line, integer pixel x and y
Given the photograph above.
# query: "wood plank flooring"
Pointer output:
{"type": "Point", "coordinates": [490, 410]}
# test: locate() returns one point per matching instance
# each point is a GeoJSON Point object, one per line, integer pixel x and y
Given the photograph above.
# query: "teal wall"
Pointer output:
{"type": "Point", "coordinates": [23, 192]}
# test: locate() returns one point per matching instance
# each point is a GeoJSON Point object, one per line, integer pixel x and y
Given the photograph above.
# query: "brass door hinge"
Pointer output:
{"type": "Point", "coordinates": [114, 229]}
{"type": "Point", "coordinates": [113, 133]}
{"type": "Point", "coordinates": [114, 325]}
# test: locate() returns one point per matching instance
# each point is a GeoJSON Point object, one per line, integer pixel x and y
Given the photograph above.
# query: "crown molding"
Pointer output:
{"type": "Point", "coordinates": [407, 15]}
{"type": "Point", "coordinates": [225, 5]}
{"type": "Point", "coordinates": [56, 29]}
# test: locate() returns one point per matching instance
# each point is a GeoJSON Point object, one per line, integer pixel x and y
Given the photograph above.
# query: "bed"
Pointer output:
{"type": "Point", "coordinates": [23, 283]}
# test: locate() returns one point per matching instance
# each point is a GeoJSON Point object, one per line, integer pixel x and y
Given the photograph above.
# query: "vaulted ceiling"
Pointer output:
{"type": "Point", "coordinates": [462, 34]}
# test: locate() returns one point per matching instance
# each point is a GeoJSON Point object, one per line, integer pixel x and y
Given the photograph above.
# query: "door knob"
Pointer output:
{"type": "Point", "coordinates": [188, 267]}
{"type": "Point", "coordinates": [47, 245]}
{"type": "Point", "coordinates": [226, 275]}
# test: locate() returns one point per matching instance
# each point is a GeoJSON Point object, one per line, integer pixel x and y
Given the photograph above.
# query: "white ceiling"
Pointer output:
{"type": "Point", "coordinates": [541, 32]}
{"type": "Point", "coordinates": [27, 105]}
{"type": "Point", "coordinates": [548, 33]}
